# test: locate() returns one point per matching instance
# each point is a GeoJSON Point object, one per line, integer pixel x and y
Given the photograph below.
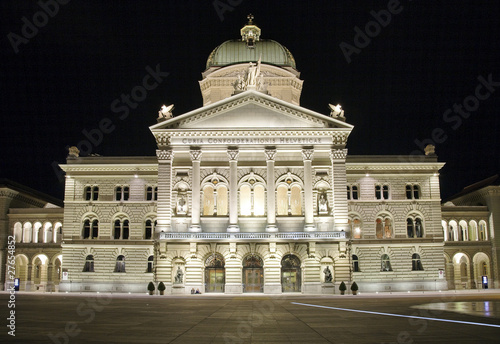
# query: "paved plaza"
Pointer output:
{"type": "Point", "coordinates": [469, 317]}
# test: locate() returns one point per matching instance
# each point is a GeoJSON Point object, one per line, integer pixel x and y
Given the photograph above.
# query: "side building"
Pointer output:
{"type": "Point", "coordinates": [34, 220]}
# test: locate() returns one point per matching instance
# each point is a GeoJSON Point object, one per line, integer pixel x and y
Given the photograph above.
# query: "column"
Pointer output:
{"type": "Point", "coordinates": [307, 155]}
{"type": "Point", "coordinates": [195, 191]}
{"type": "Point", "coordinates": [233, 154]}
{"type": "Point", "coordinates": [271, 191]}
{"type": "Point", "coordinates": [164, 205]}
{"type": "Point", "coordinates": [339, 186]}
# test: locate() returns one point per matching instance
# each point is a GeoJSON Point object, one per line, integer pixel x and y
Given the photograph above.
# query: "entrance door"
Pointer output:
{"type": "Point", "coordinates": [215, 279]}
{"type": "Point", "coordinates": [252, 280]}
{"type": "Point", "coordinates": [290, 274]}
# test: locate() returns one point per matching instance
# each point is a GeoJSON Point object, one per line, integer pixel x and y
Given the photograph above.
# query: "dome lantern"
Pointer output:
{"type": "Point", "coordinates": [250, 33]}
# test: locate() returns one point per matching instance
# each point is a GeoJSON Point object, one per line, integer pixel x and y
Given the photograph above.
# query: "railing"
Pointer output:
{"type": "Point", "coordinates": [254, 236]}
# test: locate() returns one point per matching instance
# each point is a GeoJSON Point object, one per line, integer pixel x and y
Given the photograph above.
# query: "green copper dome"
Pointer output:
{"type": "Point", "coordinates": [249, 49]}
{"type": "Point", "coordinates": [237, 51]}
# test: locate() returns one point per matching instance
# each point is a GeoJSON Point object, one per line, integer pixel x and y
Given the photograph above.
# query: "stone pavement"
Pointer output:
{"type": "Point", "coordinates": [249, 318]}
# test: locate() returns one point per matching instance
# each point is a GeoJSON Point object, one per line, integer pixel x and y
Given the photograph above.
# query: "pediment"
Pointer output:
{"type": "Point", "coordinates": [251, 110]}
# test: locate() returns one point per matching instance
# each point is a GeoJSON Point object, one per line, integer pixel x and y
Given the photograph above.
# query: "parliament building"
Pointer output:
{"type": "Point", "coordinates": [251, 193]}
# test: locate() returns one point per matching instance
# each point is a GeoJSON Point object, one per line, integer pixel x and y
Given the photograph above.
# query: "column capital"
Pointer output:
{"type": "Point", "coordinates": [233, 154]}
{"type": "Point", "coordinates": [195, 154]}
{"type": "Point", "coordinates": [338, 154]}
{"type": "Point", "coordinates": [164, 154]}
{"type": "Point", "coordinates": [307, 154]}
{"type": "Point", "coordinates": [270, 153]}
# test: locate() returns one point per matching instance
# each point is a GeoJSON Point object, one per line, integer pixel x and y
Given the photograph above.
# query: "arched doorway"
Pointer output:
{"type": "Point", "coordinates": [290, 274]}
{"type": "Point", "coordinates": [215, 274]}
{"type": "Point", "coordinates": [253, 275]}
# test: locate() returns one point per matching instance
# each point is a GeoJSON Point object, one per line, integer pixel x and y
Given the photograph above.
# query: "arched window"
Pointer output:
{"type": "Point", "coordinates": [473, 231]}
{"type": "Point", "coordinates": [120, 264]}
{"type": "Point", "coordinates": [416, 264]}
{"type": "Point", "coordinates": [352, 192]}
{"type": "Point", "coordinates": [463, 231]}
{"type": "Point", "coordinates": [47, 232]}
{"type": "Point", "coordinates": [355, 226]}
{"type": "Point", "coordinates": [382, 191]}
{"type": "Point", "coordinates": [152, 193]}
{"type": "Point", "coordinates": [383, 227]}
{"type": "Point", "coordinates": [414, 227]}
{"type": "Point", "coordinates": [91, 193]}
{"type": "Point", "coordinates": [482, 231]}
{"type": "Point", "coordinates": [452, 231]}
{"type": "Point", "coordinates": [122, 193]}
{"type": "Point", "coordinates": [89, 264]}
{"type": "Point", "coordinates": [296, 200]}
{"type": "Point", "coordinates": [150, 264]}
{"type": "Point", "coordinates": [412, 191]}
{"type": "Point", "coordinates": [282, 200]}
{"type": "Point", "coordinates": [27, 232]}
{"type": "Point", "coordinates": [121, 229]}
{"type": "Point", "coordinates": [18, 232]}
{"type": "Point", "coordinates": [148, 230]}
{"type": "Point", "coordinates": [355, 263]}
{"type": "Point", "coordinates": [385, 263]}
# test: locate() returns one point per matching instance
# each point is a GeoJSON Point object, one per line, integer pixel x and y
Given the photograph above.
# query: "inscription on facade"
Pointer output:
{"type": "Point", "coordinates": [251, 140]}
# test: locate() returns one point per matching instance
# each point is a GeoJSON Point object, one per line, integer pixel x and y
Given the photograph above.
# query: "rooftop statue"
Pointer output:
{"type": "Point", "coordinates": [165, 112]}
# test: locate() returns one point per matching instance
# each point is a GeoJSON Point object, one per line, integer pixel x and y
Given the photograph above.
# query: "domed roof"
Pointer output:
{"type": "Point", "coordinates": [249, 49]}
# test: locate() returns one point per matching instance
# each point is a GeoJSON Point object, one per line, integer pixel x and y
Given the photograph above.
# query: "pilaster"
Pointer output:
{"type": "Point", "coordinates": [307, 155]}
{"type": "Point", "coordinates": [233, 154]}
{"type": "Point", "coordinates": [339, 182]}
{"type": "Point", "coordinates": [195, 187]}
{"type": "Point", "coordinates": [271, 191]}
{"type": "Point", "coordinates": [164, 205]}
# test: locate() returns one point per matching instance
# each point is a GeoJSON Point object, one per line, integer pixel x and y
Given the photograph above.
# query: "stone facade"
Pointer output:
{"type": "Point", "coordinates": [253, 193]}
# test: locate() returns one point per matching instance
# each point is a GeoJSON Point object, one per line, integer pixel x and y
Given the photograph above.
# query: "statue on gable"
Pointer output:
{"type": "Point", "coordinates": [336, 111]}
{"type": "Point", "coordinates": [165, 113]}
{"type": "Point", "coordinates": [253, 73]}
{"type": "Point", "coordinates": [239, 84]}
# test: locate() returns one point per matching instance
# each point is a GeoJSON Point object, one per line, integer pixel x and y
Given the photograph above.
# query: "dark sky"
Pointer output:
{"type": "Point", "coordinates": [399, 87]}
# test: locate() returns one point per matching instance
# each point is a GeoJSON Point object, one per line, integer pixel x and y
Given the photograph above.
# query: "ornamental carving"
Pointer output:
{"type": "Point", "coordinates": [164, 154]}
{"type": "Point", "coordinates": [270, 154]}
{"type": "Point", "coordinates": [307, 154]}
{"type": "Point", "coordinates": [337, 154]}
{"type": "Point", "coordinates": [195, 154]}
{"type": "Point", "coordinates": [233, 154]}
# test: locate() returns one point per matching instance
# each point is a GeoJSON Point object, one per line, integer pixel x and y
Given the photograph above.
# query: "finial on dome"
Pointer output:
{"type": "Point", "coordinates": [250, 32]}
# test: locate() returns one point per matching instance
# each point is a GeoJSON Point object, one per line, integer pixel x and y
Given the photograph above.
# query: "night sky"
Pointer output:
{"type": "Point", "coordinates": [400, 86]}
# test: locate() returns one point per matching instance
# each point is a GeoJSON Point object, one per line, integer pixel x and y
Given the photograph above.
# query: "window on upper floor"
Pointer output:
{"type": "Point", "coordinates": [414, 227]}
{"type": "Point", "coordinates": [412, 191]}
{"type": "Point", "coordinates": [91, 193]}
{"type": "Point", "coordinates": [352, 192]}
{"type": "Point", "coordinates": [382, 191]}
{"type": "Point", "coordinates": [122, 193]}
{"type": "Point", "coordinates": [121, 229]}
{"type": "Point", "coordinates": [383, 227]}
{"type": "Point", "coordinates": [152, 193]}
{"type": "Point", "coordinates": [355, 226]}
{"type": "Point", "coordinates": [90, 229]}
{"type": "Point", "coordinates": [149, 227]}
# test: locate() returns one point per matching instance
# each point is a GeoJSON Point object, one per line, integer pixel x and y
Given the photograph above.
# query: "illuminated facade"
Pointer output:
{"type": "Point", "coordinates": [251, 193]}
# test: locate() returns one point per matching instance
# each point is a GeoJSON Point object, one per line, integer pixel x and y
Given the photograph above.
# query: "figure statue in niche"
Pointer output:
{"type": "Point", "coordinates": [178, 276]}
{"type": "Point", "coordinates": [181, 206]}
{"type": "Point", "coordinates": [322, 203]}
{"type": "Point", "coordinates": [328, 275]}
